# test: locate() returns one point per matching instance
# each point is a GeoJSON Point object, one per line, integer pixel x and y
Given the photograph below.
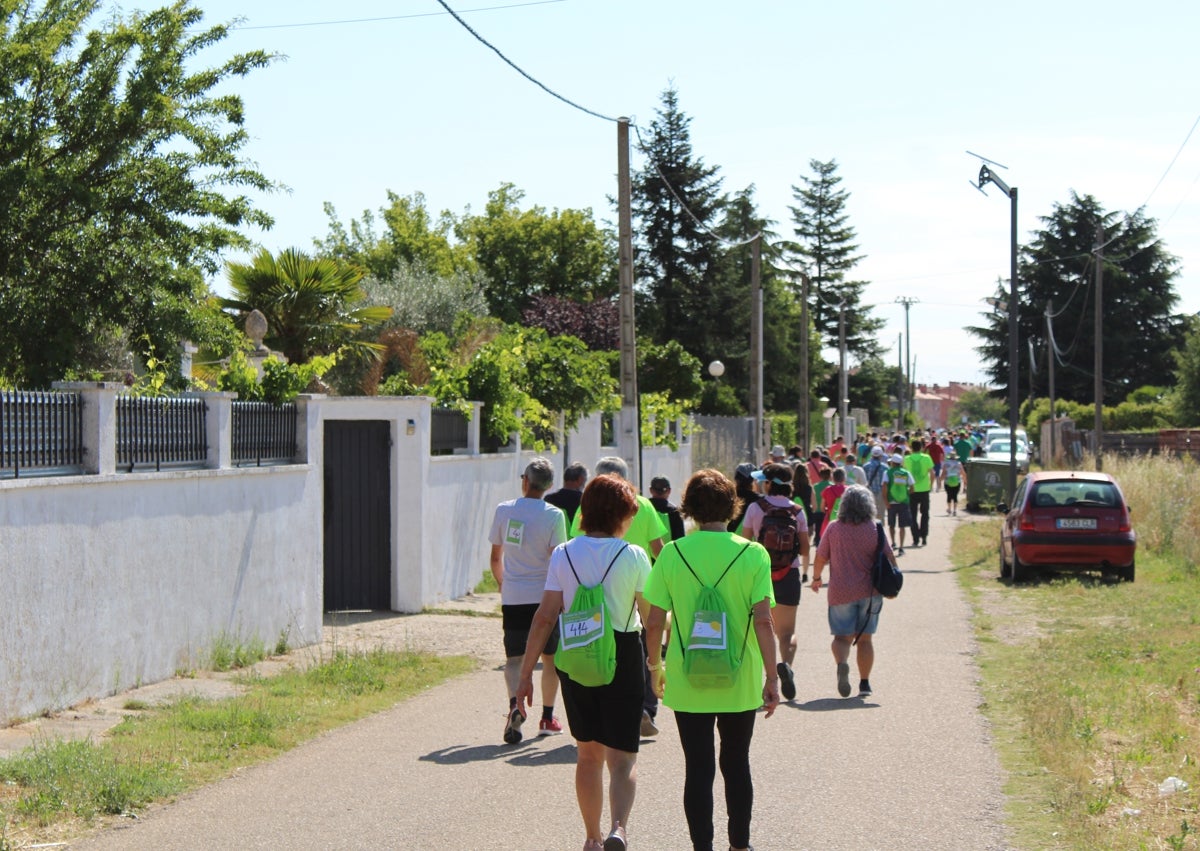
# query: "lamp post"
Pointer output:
{"type": "Point", "coordinates": [986, 176]}
{"type": "Point", "coordinates": [716, 369]}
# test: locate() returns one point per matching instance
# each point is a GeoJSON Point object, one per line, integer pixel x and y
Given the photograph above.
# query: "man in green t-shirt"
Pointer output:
{"type": "Point", "coordinates": [898, 485]}
{"type": "Point", "coordinates": [920, 465]}
{"type": "Point", "coordinates": [963, 448]}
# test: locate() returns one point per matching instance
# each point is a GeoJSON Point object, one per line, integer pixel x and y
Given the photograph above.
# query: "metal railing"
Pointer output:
{"type": "Point", "coordinates": [448, 431]}
{"type": "Point", "coordinates": [40, 433]}
{"type": "Point", "coordinates": [264, 433]}
{"type": "Point", "coordinates": [154, 432]}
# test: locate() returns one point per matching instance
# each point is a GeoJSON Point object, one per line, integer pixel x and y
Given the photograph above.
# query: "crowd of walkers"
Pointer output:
{"type": "Point", "coordinates": [694, 605]}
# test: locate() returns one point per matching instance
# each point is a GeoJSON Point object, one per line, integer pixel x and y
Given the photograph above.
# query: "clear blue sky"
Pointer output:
{"type": "Point", "coordinates": [1096, 97]}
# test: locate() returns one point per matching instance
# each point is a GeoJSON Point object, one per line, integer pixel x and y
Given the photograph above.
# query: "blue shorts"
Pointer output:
{"type": "Point", "coordinates": [848, 618]}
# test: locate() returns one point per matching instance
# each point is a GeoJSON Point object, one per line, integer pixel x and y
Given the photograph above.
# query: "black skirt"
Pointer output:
{"type": "Point", "coordinates": [610, 714]}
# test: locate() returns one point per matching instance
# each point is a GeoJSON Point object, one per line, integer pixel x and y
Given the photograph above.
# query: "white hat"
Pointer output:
{"type": "Point", "coordinates": [897, 459]}
{"type": "Point", "coordinates": [877, 451]}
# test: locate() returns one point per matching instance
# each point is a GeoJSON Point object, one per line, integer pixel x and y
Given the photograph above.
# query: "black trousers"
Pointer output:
{"type": "Point", "coordinates": [696, 736]}
{"type": "Point", "coordinates": [919, 505]}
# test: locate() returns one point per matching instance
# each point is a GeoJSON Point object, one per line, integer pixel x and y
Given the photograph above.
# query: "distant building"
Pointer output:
{"type": "Point", "coordinates": [933, 402]}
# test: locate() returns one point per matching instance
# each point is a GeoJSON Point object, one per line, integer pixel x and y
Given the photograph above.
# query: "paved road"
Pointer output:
{"type": "Point", "coordinates": [909, 768]}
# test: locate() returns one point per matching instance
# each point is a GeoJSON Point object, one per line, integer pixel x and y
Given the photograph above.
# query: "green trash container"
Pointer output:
{"type": "Point", "coordinates": [987, 483]}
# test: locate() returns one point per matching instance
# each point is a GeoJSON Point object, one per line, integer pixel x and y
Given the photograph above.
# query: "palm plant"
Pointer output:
{"type": "Point", "coordinates": [309, 302]}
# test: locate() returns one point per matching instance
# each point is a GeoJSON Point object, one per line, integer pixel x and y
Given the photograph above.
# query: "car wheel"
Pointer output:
{"type": "Point", "coordinates": [1020, 572]}
{"type": "Point", "coordinates": [1126, 573]}
{"type": "Point", "coordinates": [1005, 570]}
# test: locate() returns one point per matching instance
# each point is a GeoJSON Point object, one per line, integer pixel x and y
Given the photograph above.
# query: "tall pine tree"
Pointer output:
{"type": "Point", "coordinates": [727, 319]}
{"type": "Point", "coordinates": [1058, 267]}
{"type": "Point", "coordinates": [825, 246]}
{"type": "Point", "coordinates": [676, 202]}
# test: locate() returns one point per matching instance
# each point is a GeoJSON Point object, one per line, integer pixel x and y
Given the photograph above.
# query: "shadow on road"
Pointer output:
{"type": "Point", "coordinates": [830, 704]}
{"type": "Point", "coordinates": [518, 754]}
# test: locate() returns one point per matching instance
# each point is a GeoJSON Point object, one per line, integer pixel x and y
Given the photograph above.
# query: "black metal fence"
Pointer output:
{"type": "Point", "coordinates": [264, 433]}
{"type": "Point", "coordinates": [153, 432]}
{"type": "Point", "coordinates": [448, 431]}
{"type": "Point", "coordinates": [40, 433]}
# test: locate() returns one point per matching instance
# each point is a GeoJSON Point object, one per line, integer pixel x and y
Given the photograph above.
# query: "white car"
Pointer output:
{"type": "Point", "coordinates": [998, 450]}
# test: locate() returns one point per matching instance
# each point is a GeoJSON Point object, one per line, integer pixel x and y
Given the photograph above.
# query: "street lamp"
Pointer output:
{"type": "Point", "coordinates": [986, 176]}
{"type": "Point", "coordinates": [716, 369]}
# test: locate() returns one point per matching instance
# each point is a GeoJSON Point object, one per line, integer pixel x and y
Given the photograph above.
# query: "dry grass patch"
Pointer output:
{"type": "Point", "coordinates": [1093, 691]}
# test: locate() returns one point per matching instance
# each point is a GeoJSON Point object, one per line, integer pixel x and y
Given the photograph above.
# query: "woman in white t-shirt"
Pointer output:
{"type": "Point", "coordinates": [605, 720]}
{"type": "Point", "coordinates": [951, 480]}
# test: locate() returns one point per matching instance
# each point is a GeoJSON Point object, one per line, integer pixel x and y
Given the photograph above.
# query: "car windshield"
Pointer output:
{"type": "Point", "coordinates": [1002, 446]}
{"type": "Point", "coordinates": [1051, 494]}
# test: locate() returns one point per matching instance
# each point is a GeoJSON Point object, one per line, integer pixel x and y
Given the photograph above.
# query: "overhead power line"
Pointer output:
{"type": "Point", "coordinates": [519, 69]}
{"type": "Point", "coordinates": [345, 21]}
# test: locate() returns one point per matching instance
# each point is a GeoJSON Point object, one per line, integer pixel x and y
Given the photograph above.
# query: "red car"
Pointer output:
{"type": "Point", "coordinates": [1067, 519]}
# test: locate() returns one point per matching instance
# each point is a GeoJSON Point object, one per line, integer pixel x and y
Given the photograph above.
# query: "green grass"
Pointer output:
{"type": "Point", "coordinates": [1093, 687]}
{"type": "Point", "coordinates": [57, 788]}
{"type": "Point", "coordinates": [487, 584]}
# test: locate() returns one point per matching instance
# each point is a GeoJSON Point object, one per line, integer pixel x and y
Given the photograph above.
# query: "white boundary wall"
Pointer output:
{"type": "Point", "coordinates": [113, 580]}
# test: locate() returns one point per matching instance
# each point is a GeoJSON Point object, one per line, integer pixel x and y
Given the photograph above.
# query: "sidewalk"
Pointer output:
{"type": "Point", "coordinates": [909, 768]}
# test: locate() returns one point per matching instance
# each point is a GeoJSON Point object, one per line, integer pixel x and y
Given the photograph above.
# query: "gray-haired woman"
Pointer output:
{"type": "Point", "coordinates": [848, 547]}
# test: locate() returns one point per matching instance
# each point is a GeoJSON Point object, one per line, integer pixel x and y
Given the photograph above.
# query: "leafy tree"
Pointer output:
{"type": "Point", "coordinates": [424, 300]}
{"type": "Point", "coordinates": [311, 304]}
{"type": "Point", "coordinates": [825, 246]}
{"type": "Point", "coordinates": [120, 174]}
{"type": "Point", "coordinates": [1057, 267]}
{"type": "Point", "coordinates": [522, 375]}
{"type": "Point", "coordinates": [669, 370]}
{"type": "Point", "coordinates": [676, 202]}
{"type": "Point", "coordinates": [596, 322]}
{"type": "Point", "coordinates": [979, 405]}
{"type": "Point", "coordinates": [872, 385]}
{"type": "Point", "coordinates": [409, 238]}
{"type": "Point", "coordinates": [526, 253]}
{"type": "Point", "coordinates": [1186, 397]}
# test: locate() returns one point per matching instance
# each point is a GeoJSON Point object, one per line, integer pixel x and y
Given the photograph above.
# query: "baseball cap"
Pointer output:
{"type": "Point", "coordinates": [897, 459]}
{"type": "Point", "coordinates": [744, 471]}
{"type": "Point", "coordinates": [660, 483]}
{"type": "Point", "coordinates": [877, 451]}
{"type": "Point", "coordinates": [780, 474]}
{"type": "Point", "coordinates": [777, 449]}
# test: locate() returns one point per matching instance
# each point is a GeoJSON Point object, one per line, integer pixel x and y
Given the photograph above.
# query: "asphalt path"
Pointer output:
{"type": "Point", "coordinates": [911, 767]}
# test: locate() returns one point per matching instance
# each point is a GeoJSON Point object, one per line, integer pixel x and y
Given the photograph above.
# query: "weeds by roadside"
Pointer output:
{"type": "Point", "coordinates": [58, 788]}
{"type": "Point", "coordinates": [1093, 687]}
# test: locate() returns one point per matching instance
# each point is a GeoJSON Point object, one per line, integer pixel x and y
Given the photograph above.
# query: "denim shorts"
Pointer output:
{"type": "Point", "coordinates": [848, 618]}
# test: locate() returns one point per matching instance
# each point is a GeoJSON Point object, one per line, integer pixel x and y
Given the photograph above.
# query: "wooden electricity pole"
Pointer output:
{"type": "Point", "coordinates": [629, 434]}
{"type": "Point", "coordinates": [756, 343]}
{"type": "Point", "coordinates": [1098, 427]}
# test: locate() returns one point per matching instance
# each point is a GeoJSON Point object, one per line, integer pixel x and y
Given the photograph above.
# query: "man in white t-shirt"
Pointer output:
{"type": "Point", "coordinates": [524, 533]}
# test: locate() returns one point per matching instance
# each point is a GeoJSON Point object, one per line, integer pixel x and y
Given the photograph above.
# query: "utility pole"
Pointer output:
{"type": "Point", "coordinates": [629, 436]}
{"type": "Point", "coordinates": [756, 342]}
{"type": "Point", "coordinates": [903, 386]}
{"type": "Point", "coordinates": [1052, 355]}
{"type": "Point", "coordinates": [843, 378]}
{"type": "Point", "coordinates": [805, 401]}
{"type": "Point", "coordinates": [986, 176]}
{"type": "Point", "coordinates": [908, 388]}
{"type": "Point", "coordinates": [1098, 428]}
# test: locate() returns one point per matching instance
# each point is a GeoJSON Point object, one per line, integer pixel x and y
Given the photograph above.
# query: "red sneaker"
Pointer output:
{"type": "Point", "coordinates": [549, 727]}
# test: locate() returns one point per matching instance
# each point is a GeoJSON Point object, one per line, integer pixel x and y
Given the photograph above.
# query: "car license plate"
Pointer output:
{"type": "Point", "coordinates": [1076, 523]}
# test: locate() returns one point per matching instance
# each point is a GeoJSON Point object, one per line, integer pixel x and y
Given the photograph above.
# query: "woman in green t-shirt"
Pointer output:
{"type": "Point", "coordinates": [746, 596]}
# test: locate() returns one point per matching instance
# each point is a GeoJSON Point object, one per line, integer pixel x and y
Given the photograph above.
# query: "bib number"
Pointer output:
{"type": "Point", "coordinates": [579, 629]}
{"type": "Point", "coordinates": [708, 631]}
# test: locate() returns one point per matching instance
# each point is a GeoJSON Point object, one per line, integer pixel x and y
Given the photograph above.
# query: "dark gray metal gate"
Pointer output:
{"type": "Point", "coordinates": [358, 536]}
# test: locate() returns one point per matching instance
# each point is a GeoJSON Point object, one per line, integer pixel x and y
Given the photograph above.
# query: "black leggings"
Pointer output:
{"type": "Point", "coordinates": [696, 736]}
